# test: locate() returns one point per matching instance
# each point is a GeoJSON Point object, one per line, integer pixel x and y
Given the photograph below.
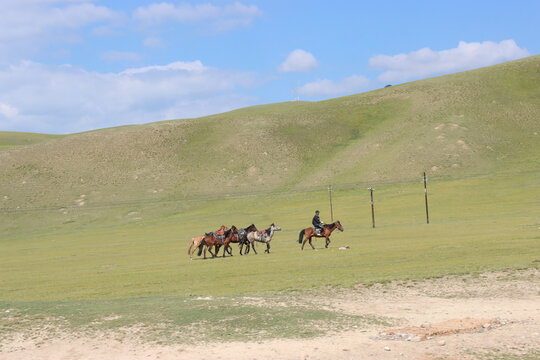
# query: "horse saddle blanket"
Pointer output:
{"type": "Point", "coordinates": [242, 234]}
{"type": "Point", "coordinates": [219, 237]}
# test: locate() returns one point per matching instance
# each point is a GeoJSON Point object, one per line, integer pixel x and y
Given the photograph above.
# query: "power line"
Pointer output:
{"type": "Point", "coordinates": [238, 195]}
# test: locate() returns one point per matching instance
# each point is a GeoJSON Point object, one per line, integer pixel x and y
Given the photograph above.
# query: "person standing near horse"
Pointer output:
{"type": "Point", "coordinates": [317, 223]}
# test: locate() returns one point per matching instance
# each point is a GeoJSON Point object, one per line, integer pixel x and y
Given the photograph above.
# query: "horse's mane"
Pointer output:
{"type": "Point", "coordinates": [226, 233]}
{"type": "Point", "coordinates": [252, 225]}
{"type": "Point", "coordinates": [330, 225]}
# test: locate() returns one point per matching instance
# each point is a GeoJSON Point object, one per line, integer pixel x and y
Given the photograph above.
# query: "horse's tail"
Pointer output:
{"type": "Point", "coordinates": [201, 248]}
{"type": "Point", "coordinates": [301, 236]}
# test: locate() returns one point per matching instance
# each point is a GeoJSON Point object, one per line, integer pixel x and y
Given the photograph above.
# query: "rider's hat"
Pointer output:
{"type": "Point", "coordinates": [317, 211]}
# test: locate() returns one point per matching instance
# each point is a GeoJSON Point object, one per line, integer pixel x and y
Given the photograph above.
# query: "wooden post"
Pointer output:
{"type": "Point", "coordinates": [425, 192]}
{"type": "Point", "coordinates": [372, 207]}
{"type": "Point", "coordinates": [331, 210]}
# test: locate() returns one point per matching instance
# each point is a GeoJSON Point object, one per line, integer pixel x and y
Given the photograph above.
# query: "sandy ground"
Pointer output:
{"type": "Point", "coordinates": [494, 315]}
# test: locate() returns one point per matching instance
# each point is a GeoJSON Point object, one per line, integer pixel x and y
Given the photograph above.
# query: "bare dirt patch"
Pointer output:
{"type": "Point", "coordinates": [493, 315]}
{"type": "Point", "coordinates": [445, 328]}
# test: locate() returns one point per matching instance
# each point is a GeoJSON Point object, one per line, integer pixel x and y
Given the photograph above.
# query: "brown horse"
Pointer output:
{"type": "Point", "coordinates": [196, 241]}
{"type": "Point", "coordinates": [211, 240]}
{"type": "Point", "coordinates": [309, 233]}
{"type": "Point", "coordinates": [239, 237]}
{"type": "Point", "coordinates": [242, 236]}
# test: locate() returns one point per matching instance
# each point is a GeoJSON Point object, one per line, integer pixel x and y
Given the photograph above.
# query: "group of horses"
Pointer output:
{"type": "Point", "coordinates": [247, 237]}
{"type": "Point", "coordinates": [224, 236]}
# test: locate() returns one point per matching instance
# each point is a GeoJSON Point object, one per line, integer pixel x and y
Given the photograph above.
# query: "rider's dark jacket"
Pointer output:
{"type": "Point", "coordinates": [316, 221]}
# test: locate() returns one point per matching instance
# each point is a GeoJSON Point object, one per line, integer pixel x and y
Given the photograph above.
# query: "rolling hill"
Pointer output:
{"type": "Point", "coordinates": [474, 122]}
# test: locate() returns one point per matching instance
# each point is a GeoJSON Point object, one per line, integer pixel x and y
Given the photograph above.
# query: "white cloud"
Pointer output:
{"type": "Point", "coordinates": [27, 25]}
{"type": "Point", "coordinates": [326, 88]}
{"type": "Point", "coordinates": [65, 99]}
{"type": "Point", "coordinates": [224, 17]}
{"type": "Point", "coordinates": [8, 110]}
{"type": "Point", "coordinates": [299, 61]}
{"type": "Point", "coordinates": [194, 66]}
{"type": "Point", "coordinates": [426, 62]}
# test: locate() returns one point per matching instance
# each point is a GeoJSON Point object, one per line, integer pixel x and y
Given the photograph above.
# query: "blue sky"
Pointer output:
{"type": "Point", "coordinates": [75, 65]}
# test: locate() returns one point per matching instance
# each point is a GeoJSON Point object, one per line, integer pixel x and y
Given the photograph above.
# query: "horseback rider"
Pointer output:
{"type": "Point", "coordinates": [317, 223]}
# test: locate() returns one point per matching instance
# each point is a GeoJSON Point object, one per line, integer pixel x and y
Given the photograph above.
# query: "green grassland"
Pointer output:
{"type": "Point", "coordinates": [11, 140]}
{"type": "Point", "coordinates": [140, 273]}
{"type": "Point", "coordinates": [97, 224]}
{"type": "Point", "coordinates": [477, 224]}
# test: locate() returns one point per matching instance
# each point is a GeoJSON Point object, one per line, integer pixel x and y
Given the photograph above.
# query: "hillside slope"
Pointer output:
{"type": "Point", "coordinates": [485, 120]}
{"type": "Point", "coordinates": [10, 140]}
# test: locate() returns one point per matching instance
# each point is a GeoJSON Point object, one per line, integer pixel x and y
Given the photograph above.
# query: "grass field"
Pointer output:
{"type": "Point", "coordinates": [480, 223]}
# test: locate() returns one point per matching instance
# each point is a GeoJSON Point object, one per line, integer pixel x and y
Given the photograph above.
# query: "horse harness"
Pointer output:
{"type": "Point", "coordinates": [218, 237]}
{"type": "Point", "coordinates": [264, 235]}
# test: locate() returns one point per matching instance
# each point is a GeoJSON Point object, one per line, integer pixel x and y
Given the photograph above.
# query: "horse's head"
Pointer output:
{"type": "Point", "coordinates": [339, 226]}
{"type": "Point", "coordinates": [275, 227]}
{"type": "Point", "coordinates": [234, 230]}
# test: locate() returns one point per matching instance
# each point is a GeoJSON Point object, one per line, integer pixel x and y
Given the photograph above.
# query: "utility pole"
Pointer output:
{"type": "Point", "coordinates": [372, 207]}
{"type": "Point", "coordinates": [425, 192]}
{"type": "Point", "coordinates": [331, 210]}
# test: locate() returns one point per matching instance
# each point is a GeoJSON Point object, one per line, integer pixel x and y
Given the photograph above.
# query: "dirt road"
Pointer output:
{"type": "Point", "coordinates": [493, 315]}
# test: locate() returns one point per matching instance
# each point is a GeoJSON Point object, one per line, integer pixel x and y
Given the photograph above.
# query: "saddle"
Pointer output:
{"type": "Point", "coordinates": [216, 235]}
{"type": "Point", "coordinates": [242, 234]}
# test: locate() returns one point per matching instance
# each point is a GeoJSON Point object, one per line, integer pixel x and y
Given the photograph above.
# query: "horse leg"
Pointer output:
{"type": "Point", "coordinates": [327, 242]}
{"type": "Point", "coordinates": [210, 251]}
{"type": "Point", "coordinates": [313, 247]}
{"type": "Point", "coordinates": [227, 249]}
{"type": "Point", "coordinates": [267, 248]}
{"type": "Point", "coordinates": [253, 246]}
{"type": "Point", "coordinates": [193, 252]}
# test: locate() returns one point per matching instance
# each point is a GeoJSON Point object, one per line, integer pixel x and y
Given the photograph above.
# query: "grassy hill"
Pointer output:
{"type": "Point", "coordinates": [10, 140]}
{"type": "Point", "coordinates": [478, 121]}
